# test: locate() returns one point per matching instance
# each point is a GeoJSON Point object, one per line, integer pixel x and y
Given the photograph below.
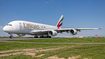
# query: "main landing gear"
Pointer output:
{"type": "Point", "coordinates": [35, 36]}
{"type": "Point", "coordinates": [42, 36]}
{"type": "Point", "coordinates": [48, 36]}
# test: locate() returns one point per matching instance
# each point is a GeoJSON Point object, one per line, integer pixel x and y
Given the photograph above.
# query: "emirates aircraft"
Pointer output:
{"type": "Point", "coordinates": [21, 28]}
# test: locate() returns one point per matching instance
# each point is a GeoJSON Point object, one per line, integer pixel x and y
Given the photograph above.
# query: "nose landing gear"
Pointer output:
{"type": "Point", "coordinates": [11, 36]}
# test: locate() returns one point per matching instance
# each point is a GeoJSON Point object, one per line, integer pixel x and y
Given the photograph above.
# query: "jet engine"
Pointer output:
{"type": "Point", "coordinates": [73, 31]}
{"type": "Point", "coordinates": [52, 33]}
{"type": "Point", "coordinates": [20, 35]}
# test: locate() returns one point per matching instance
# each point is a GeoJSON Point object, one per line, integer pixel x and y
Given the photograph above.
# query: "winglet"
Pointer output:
{"type": "Point", "coordinates": [60, 22]}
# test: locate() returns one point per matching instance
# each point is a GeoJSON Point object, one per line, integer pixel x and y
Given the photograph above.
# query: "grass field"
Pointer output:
{"type": "Point", "coordinates": [66, 51]}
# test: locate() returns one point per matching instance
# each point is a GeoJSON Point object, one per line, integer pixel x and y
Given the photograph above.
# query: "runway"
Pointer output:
{"type": "Point", "coordinates": [5, 40]}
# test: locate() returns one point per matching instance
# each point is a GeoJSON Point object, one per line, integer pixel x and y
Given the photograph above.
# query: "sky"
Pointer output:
{"type": "Point", "coordinates": [77, 14]}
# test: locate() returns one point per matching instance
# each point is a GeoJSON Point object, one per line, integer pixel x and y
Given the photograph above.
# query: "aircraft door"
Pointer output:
{"type": "Point", "coordinates": [20, 26]}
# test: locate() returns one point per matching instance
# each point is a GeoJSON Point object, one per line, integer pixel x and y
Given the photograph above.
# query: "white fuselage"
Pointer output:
{"type": "Point", "coordinates": [25, 27]}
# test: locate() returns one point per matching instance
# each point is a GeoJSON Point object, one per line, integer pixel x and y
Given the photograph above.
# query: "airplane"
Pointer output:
{"type": "Point", "coordinates": [21, 28]}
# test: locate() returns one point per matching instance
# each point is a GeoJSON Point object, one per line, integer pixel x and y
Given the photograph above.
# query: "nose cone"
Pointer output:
{"type": "Point", "coordinates": [5, 29]}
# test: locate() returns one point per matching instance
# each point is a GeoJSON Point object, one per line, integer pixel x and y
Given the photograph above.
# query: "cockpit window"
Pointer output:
{"type": "Point", "coordinates": [9, 24]}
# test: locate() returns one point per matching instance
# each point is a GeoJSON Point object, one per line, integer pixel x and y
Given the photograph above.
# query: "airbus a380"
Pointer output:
{"type": "Point", "coordinates": [24, 27]}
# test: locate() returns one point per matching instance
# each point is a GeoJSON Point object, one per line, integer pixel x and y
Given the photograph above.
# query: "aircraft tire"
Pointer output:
{"type": "Point", "coordinates": [48, 36]}
{"type": "Point", "coordinates": [41, 37]}
{"type": "Point", "coordinates": [35, 36]}
{"type": "Point", "coordinates": [11, 36]}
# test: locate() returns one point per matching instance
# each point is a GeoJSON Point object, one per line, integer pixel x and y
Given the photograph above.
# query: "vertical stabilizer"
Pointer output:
{"type": "Point", "coordinates": [60, 22]}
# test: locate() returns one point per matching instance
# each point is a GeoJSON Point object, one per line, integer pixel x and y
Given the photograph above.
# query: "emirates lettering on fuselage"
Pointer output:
{"type": "Point", "coordinates": [27, 25]}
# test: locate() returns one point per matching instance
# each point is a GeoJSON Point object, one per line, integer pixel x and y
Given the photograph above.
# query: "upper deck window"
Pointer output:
{"type": "Point", "coordinates": [9, 24]}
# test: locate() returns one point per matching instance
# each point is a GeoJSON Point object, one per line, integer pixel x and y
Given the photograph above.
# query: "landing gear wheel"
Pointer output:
{"type": "Point", "coordinates": [11, 36]}
{"type": "Point", "coordinates": [35, 36]}
{"type": "Point", "coordinates": [41, 36]}
{"type": "Point", "coordinates": [48, 36]}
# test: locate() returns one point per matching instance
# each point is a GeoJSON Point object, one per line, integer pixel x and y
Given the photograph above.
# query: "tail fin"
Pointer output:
{"type": "Point", "coordinates": [60, 22]}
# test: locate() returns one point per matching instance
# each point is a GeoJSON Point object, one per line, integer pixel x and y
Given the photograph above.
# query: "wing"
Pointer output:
{"type": "Point", "coordinates": [77, 29]}
{"type": "Point", "coordinates": [60, 30]}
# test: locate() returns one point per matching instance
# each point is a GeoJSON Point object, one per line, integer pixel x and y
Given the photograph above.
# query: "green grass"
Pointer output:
{"type": "Point", "coordinates": [85, 51]}
{"type": "Point", "coordinates": [64, 40]}
{"type": "Point", "coordinates": [17, 57]}
{"type": "Point", "coordinates": [13, 46]}
{"type": "Point", "coordinates": [93, 51]}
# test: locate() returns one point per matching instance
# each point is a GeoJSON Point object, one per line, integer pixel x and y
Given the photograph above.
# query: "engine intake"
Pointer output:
{"type": "Point", "coordinates": [52, 33]}
{"type": "Point", "coordinates": [73, 32]}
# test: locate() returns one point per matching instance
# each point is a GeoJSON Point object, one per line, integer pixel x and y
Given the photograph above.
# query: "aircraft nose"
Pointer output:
{"type": "Point", "coordinates": [7, 29]}
{"type": "Point", "coordinates": [4, 29]}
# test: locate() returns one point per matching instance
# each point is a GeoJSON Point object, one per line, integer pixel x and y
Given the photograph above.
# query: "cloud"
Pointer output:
{"type": "Point", "coordinates": [1, 27]}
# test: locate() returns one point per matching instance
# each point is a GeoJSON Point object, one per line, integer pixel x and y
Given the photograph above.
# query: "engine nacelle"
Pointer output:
{"type": "Point", "coordinates": [73, 32]}
{"type": "Point", "coordinates": [52, 33]}
{"type": "Point", "coordinates": [20, 35]}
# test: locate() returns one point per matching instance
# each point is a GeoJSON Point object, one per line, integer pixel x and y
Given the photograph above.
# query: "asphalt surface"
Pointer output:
{"type": "Point", "coordinates": [5, 40]}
